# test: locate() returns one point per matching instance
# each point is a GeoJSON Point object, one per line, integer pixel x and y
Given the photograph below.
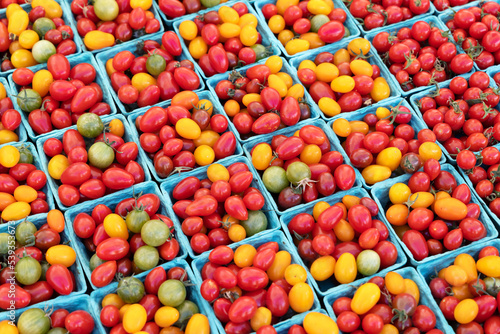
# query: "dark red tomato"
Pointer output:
{"type": "Point", "coordinates": [104, 274]}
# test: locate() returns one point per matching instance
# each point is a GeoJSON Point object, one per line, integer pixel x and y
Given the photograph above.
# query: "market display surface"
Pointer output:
{"type": "Point", "coordinates": [268, 167]}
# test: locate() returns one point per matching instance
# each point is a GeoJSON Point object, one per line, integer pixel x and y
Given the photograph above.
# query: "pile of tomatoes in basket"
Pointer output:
{"type": "Point", "coordinates": [102, 23]}
{"type": "Point", "coordinates": [42, 263]}
{"type": "Point", "coordinates": [184, 135]}
{"type": "Point", "coordinates": [315, 22]}
{"type": "Point", "coordinates": [21, 184]}
{"type": "Point", "coordinates": [132, 239]}
{"type": "Point", "coordinates": [152, 76]}
{"type": "Point", "coordinates": [224, 39]}
{"type": "Point", "coordinates": [421, 55]}
{"type": "Point", "coordinates": [57, 96]}
{"type": "Point", "coordinates": [108, 164]}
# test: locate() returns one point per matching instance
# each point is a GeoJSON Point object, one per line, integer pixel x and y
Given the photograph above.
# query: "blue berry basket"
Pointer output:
{"type": "Point", "coordinates": [20, 131]}
{"type": "Point", "coordinates": [212, 83]}
{"type": "Point", "coordinates": [373, 59]}
{"type": "Point", "coordinates": [168, 187]}
{"type": "Point", "coordinates": [335, 146]}
{"type": "Point", "coordinates": [429, 270]}
{"type": "Point", "coordinates": [380, 193]}
{"type": "Point", "coordinates": [410, 273]}
{"type": "Point", "coordinates": [350, 24]}
{"type": "Point", "coordinates": [67, 16]}
{"type": "Point", "coordinates": [216, 110]}
{"type": "Point", "coordinates": [153, 9]}
{"type": "Point", "coordinates": [193, 294]}
{"type": "Point", "coordinates": [111, 201]}
{"type": "Point", "coordinates": [76, 268]}
{"type": "Point", "coordinates": [70, 303]}
{"type": "Point", "coordinates": [266, 39]}
{"type": "Point", "coordinates": [54, 186]}
{"type": "Point", "coordinates": [416, 123]}
{"type": "Point", "coordinates": [328, 286]}
{"type": "Point", "coordinates": [73, 60]}
{"type": "Point", "coordinates": [39, 165]}
{"type": "Point", "coordinates": [102, 57]}
{"type": "Point", "coordinates": [394, 28]}
{"type": "Point", "coordinates": [256, 241]}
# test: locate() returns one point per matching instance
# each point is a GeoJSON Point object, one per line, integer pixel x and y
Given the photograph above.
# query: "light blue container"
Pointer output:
{"type": "Point", "coordinates": [434, 21]}
{"type": "Point", "coordinates": [54, 185]}
{"type": "Point", "coordinates": [261, 28]}
{"type": "Point", "coordinates": [76, 268]}
{"type": "Point", "coordinates": [169, 23]}
{"type": "Point", "coordinates": [428, 271]}
{"type": "Point", "coordinates": [111, 201]}
{"type": "Point", "coordinates": [39, 166]}
{"type": "Point", "coordinates": [20, 131]}
{"type": "Point", "coordinates": [425, 297]}
{"type": "Point", "coordinates": [201, 173]}
{"type": "Point", "coordinates": [193, 294]}
{"type": "Point", "coordinates": [380, 193]}
{"type": "Point", "coordinates": [71, 303]}
{"type": "Point", "coordinates": [212, 83]}
{"type": "Point", "coordinates": [256, 241]}
{"type": "Point", "coordinates": [102, 57]}
{"type": "Point", "coordinates": [414, 103]}
{"type": "Point", "coordinates": [335, 146]}
{"type": "Point", "coordinates": [135, 134]}
{"type": "Point", "coordinates": [67, 16]}
{"type": "Point", "coordinates": [416, 123]}
{"type": "Point", "coordinates": [328, 286]}
{"type": "Point", "coordinates": [350, 24]}
{"type": "Point", "coordinates": [133, 41]}
{"type": "Point", "coordinates": [373, 59]}
{"type": "Point", "coordinates": [73, 61]}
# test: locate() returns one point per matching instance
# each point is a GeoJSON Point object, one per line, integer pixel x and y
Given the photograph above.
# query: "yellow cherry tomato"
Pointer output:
{"type": "Point", "coordinates": [440, 195]}
{"type": "Point", "coordinates": [188, 30]}
{"type": "Point", "coordinates": [197, 324]}
{"type": "Point", "coordinates": [14, 46]}
{"type": "Point", "coordinates": [429, 150]}
{"type": "Point", "coordinates": [262, 317]}
{"type": "Point", "coordinates": [57, 165]}
{"type": "Point", "coordinates": [134, 318]}
{"type": "Point", "coordinates": [421, 199]}
{"type": "Point", "coordinates": [124, 309]}
{"type": "Point", "coordinates": [7, 327]}
{"type": "Point", "coordinates": [25, 193]}
{"type": "Point", "coordinates": [198, 47]}
{"type": "Point", "coordinates": [489, 266]}
{"type": "Point", "coordinates": [323, 268]}
{"type": "Point", "coordinates": [231, 107]}
{"type": "Point", "coordinates": [359, 126]}
{"type": "Point", "coordinates": [204, 154]}
{"type": "Point", "coordinates": [248, 19]}
{"type": "Point", "coordinates": [207, 137]}
{"type": "Point", "coordinates": [341, 56]}
{"type": "Point", "coordinates": [361, 67]}
{"type": "Point", "coordinates": [287, 79]}
{"type": "Point", "coordinates": [382, 112]}
{"type": "Point", "coordinates": [249, 98]}
{"type": "Point", "coordinates": [317, 7]}
{"type": "Point", "coordinates": [243, 255]}
{"type": "Point", "coordinates": [276, 24]}
{"type": "Point", "coordinates": [450, 209]}
{"type": "Point", "coordinates": [341, 127]}
{"type": "Point", "coordinates": [455, 275]}
{"type": "Point", "coordinates": [16, 211]}
{"type": "Point", "coordinates": [6, 199]}
{"type": "Point", "coordinates": [389, 329]}
{"type": "Point", "coordinates": [343, 84]}
{"type": "Point", "coordinates": [249, 35]}
{"type": "Point", "coordinates": [216, 172]}
{"type": "Point", "coordinates": [277, 269]}
{"type": "Point", "coordinates": [28, 38]}
{"type": "Point", "coordinates": [412, 288]}
{"type": "Point", "coordinates": [350, 200]}
{"type": "Point", "coordinates": [261, 156]}
{"type": "Point", "coordinates": [296, 91]}
{"type": "Point", "coordinates": [318, 323]}
{"type": "Point", "coordinates": [282, 5]}
{"type": "Point", "coordinates": [313, 39]}
{"type": "Point", "coordinates": [285, 36]}
{"type": "Point", "coordinates": [365, 297]}
{"type": "Point", "coordinates": [326, 72]}
{"type": "Point", "coordinates": [115, 226]}
{"type": "Point", "coordinates": [389, 157]}
{"type": "Point", "coordinates": [301, 297]}
{"type": "Point", "coordinates": [376, 173]}
{"type": "Point", "coordinates": [229, 15]}
{"type": "Point", "coordinates": [236, 233]}
{"type": "Point", "coordinates": [144, 4]}
{"type": "Point", "coordinates": [461, 292]}
{"type": "Point", "coordinates": [22, 58]}
{"type": "Point", "coordinates": [61, 254]}
{"type": "Point", "coordinates": [116, 127]}
{"type": "Point", "coordinates": [358, 47]}
{"type": "Point", "coordinates": [109, 67]}
{"type": "Point", "coordinates": [319, 208]}
{"type": "Point", "coordinates": [307, 64]}
{"type": "Point", "coordinates": [112, 299]}
{"type": "Point", "coordinates": [18, 22]}
{"type": "Point", "coordinates": [295, 273]}
{"type": "Point", "coordinates": [275, 82]}
{"type": "Point", "coordinates": [55, 220]}
{"type": "Point", "coordinates": [466, 311]}
{"type": "Point", "coordinates": [394, 283]}
{"type": "Point", "coordinates": [346, 269]}
{"type": "Point", "coordinates": [8, 136]}
{"type": "Point", "coordinates": [142, 80]}
{"type": "Point", "coordinates": [381, 89]}
{"type": "Point", "coordinates": [95, 40]}
{"type": "Point", "coordinates": [311, 154]}
{"type": "Point", "coordinates": [41, 82]}
{"type": "Point", "coordinates": [297, 45]}
{"type": "Point", "coordinates": [329, 106]}
{"type": "Point", "coordinates": [3, 92]}
{"type": "Point", "coordinates": [344, 231]}
{"type": "Point", "coordinates": [9, 156]}
{"type": "Point", "coordinates": [13, 7]}
{"type": "Point", "coordinates": [275, 63]}
{"type": "Point", "coordinates": [166, 316]}
{"type": "Point", "coordinates": [399, 193]}
{"type": "Point", "coordinates": [187, 128]}
{"type": "Point", "coordinates": [52, 8]}
{"type": "Point", "coordinates": [397, 214]}
{"type": "Point", "coordinates": [229, 30]}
